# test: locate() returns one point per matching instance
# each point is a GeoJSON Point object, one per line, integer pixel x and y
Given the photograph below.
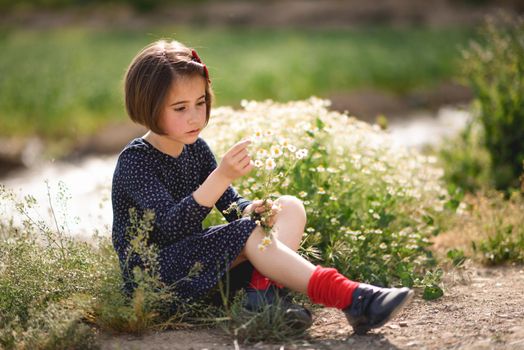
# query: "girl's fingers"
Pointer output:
{"type": "Point", "coordinates": [239, 147]}
{"type": "Point", "coordinates": [247, 168]}
{"type": "Point", "coordinates": [239, 156]}
{"type": "Point", "coordinates": [245, 162]}
{"type": "Point", "coordinates": [264, 208]}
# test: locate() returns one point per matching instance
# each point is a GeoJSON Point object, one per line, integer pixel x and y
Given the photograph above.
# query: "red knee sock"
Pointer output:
{"type": "Point", "coordinates": [261, 282]}
{"type": "Point", "coordinates": [329, 288]}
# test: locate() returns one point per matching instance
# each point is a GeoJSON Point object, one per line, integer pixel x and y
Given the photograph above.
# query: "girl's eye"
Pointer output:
{"type": "Point", "coordinates": [201, 103]}
{"type": "Point", "coordinates": [180, 109]}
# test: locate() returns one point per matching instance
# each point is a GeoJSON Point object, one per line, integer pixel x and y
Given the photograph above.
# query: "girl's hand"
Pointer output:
{"type": "Point", "coordinates": [236, 162]}
{"type": "Point", "coordinates": [268, 210]}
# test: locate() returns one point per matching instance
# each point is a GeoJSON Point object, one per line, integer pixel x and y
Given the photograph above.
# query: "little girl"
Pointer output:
{"type": "Point", "coordinates": [172, 172]}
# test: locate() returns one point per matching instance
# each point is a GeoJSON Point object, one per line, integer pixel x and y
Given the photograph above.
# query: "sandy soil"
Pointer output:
{"type": "Point", "coordinates": [483, 308]}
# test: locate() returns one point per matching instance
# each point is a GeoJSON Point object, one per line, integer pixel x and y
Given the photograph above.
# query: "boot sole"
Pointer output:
{"type": "Point", "coordinates": [363, 329]}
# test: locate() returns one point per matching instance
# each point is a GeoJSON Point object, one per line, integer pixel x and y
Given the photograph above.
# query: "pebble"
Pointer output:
{"type": "Point", "coordinates": [413, 343]}
{"type": "Point", "coordinates": [394, 326]}
{"type": "Point", "coordinates": [403, 324]}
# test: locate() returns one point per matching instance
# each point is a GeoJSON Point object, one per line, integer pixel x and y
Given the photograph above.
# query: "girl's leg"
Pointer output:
{"type": "Point", "coordinates": [290, 221]}
{"type": "Point", "coordinates": [289, 224]}
{"type": "Point", "coordinates": [279, 262]}
{"type": "Point", "coordinates": [365, 306]}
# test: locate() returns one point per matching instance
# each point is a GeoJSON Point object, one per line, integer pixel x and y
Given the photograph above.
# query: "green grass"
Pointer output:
{"type": "Point", "coordinates": [67, 82]}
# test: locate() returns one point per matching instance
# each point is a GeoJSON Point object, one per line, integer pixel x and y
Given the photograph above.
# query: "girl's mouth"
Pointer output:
{"type": "Point", "coordinates": [193, 131]}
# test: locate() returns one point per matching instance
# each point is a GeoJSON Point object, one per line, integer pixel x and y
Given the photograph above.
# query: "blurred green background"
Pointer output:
{"type": "Point", "coordinates": [58, 83]}
{"type": "Point", "coordinates": [61, 79]}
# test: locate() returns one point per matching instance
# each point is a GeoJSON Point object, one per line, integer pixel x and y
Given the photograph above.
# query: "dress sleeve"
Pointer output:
{"type": "Point", "coordinates": [230, 194]}
{"type": "Point", "coordinates": [138, 178]}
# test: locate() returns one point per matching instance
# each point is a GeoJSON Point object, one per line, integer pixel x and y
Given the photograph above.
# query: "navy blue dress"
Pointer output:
{"type": "Point", "coordinates": [146, 178]}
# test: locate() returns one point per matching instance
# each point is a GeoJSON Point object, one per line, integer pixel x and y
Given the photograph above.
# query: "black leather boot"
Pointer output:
{"type": "Point", "coordinates": [298, 317]}
{"type": "Point", "coordinates": [373, 306]}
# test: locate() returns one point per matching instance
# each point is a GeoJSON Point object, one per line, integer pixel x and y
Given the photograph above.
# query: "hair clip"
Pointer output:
{"type": "Point", "coordinates": [196, 58]}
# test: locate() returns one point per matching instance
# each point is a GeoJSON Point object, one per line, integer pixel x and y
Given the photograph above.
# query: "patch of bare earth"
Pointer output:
{"type": "Point", "coordinates": [483, 308]}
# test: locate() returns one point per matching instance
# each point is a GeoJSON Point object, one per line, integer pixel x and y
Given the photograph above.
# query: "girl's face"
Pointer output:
{"type": "Point", "coordinates": [184, 114]}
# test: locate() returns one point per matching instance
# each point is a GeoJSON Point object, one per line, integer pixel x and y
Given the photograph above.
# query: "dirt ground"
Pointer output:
{"type": "Point", "coordinates": [483, 308]}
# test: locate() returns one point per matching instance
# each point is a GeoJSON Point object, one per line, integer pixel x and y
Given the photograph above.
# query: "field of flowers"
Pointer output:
{"type": "Point", "coordinates": [371, 207]}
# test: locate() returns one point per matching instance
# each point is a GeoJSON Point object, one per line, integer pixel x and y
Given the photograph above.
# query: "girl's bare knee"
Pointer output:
{"type": "Point", "coordinates": [291, 204]}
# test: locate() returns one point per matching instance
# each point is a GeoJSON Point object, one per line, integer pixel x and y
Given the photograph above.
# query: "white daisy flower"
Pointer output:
{"type": "Point", "coordinates": [262, 153]}
{"type": "Point", "coordinates": [257, 136]}
{"type": "Point", "coordinates": [301, 153]}
{"type": "Point", "coordinates": [270, 164]}
{"type": "Point", "coordinates": [276, 151]}
{"type": "Point", "coordinates": [266, 241]}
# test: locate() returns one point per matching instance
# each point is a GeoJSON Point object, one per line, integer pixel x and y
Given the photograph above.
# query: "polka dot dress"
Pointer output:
{"type": "Point", "coordinates": [146, 178]}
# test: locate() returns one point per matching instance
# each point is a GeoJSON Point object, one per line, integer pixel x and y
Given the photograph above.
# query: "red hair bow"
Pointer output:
{"type": "Point", "coordinates": [197, 59]}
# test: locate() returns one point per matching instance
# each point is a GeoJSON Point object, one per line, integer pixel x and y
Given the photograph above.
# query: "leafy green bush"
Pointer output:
{"type": "Point", "coordinates": [489, 228]}
{"type": "Point", "coordinates": [52, 284]}
{"type": "Point", "coordinates": [371, 207]}
{"type": "Point", "coordinates": [465, 160]}
{"type": "Point", "coordinates": [58, 326]}
{"type": "Point", "coordinates": [43, 275]}
{"type": "Point", "coordinates": [507, 245]}
{"type": "Point", "coordinates": [503, 240]}
{"type": "Point", "coordinates": [494, 67]}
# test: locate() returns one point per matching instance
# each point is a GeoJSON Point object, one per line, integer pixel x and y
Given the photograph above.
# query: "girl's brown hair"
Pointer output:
{"type": "Point", "coordinates": [150, 76]}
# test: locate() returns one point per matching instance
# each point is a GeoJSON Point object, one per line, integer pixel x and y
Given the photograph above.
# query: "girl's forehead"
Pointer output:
{"type": "Point", "coordinates": [187, 88]}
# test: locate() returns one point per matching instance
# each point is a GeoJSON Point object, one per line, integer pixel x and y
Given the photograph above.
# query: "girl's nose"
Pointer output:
{"type": "Point", "coordinates": [193, 116]}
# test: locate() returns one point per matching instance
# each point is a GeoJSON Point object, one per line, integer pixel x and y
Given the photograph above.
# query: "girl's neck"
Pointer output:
{"type": "Point", "coordinates": [164, 144]}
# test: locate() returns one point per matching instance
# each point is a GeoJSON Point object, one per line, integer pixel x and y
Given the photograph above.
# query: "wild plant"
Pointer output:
{"type": "Point", "coordinates": [372, 207]}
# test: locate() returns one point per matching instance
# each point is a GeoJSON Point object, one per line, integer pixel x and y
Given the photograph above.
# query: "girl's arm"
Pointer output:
{"type": "Point", "coordinates": [137, 184]}
{"type": "Point", "coordinates": [216, 188]}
